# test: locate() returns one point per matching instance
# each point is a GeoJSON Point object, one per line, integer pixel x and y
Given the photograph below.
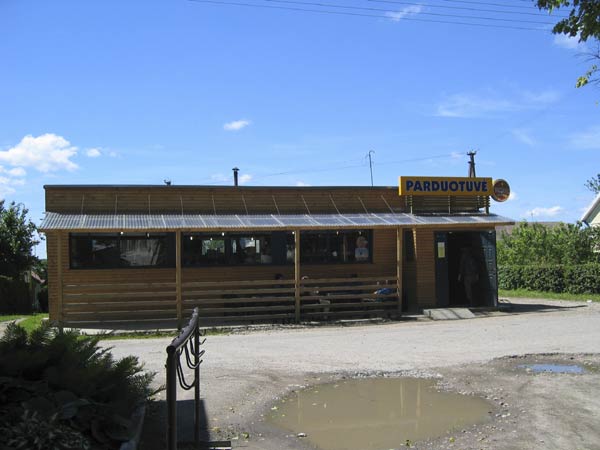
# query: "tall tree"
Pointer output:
{"type": "Point", "coordinates": [17, 239]}
{"type": "Point", "coordinates": [534, 243]}
{"type": "Point", "coordinates": [593, 184]}
{"type": "Point", "coordinates": [583, 22]}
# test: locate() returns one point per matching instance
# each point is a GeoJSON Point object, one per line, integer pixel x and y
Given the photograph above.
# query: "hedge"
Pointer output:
{"type": "Point", "coordinates": [14, 296]}
{"type": "Point", "coordinates": [573, 279]}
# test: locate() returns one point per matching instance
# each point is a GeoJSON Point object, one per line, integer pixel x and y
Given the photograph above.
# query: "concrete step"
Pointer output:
{"type": "Point", "coordinates": [449, 313]}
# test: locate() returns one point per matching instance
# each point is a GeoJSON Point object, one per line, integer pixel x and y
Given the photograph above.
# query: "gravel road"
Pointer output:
{"type": "Point", "coordinates": [244, 372]}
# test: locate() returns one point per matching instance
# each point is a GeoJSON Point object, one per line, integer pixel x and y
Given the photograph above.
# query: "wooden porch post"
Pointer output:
{"type": "Point", "coordinates": [399, 261]}
{"type": "Point", "coordinates": [59, 279]}
{"type": "Point", "coordinates": [178, 279]}
{"type": "Point", "coordinates": [297, 274]}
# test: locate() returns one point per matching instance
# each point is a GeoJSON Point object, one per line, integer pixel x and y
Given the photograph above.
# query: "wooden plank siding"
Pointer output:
{"type": "Point", "coordinates": [111, 295]}
{"type": "Point", "coordinates": [246, 292]}
{"type": "Point", "coordinates": [425, 268]}
{"type": "Point", "coordinates": [220, 200]}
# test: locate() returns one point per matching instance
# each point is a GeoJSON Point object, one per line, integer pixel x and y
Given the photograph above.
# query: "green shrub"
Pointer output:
{"type": "Point", "coordinates": [574, 279]}
{"type": "Point", "coordinates": [67, 379]}
{"type": "Point", "coordinates": [14, 296]}
{"type": "Point", "coordinates": [42, 298]}
{"type": "Point", "coordinates": [584, 279]}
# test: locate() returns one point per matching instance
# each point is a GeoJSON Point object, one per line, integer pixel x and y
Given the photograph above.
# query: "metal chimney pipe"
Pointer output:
{"type": "Point", "coordinates": [471, 155]}
{"type": "Point", "coordinates": [235, 176]}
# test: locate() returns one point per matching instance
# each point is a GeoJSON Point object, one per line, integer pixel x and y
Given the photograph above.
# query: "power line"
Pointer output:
{"type": "Point", "coordinates": [473, 2]}
{"type": "Point", "coordinates": [333, 166]}
{"type": "Point", "coordinates": [362, 8]}
{"type": "Point", "coordinates": [355, 14]}
{"type": "Point", "coordinates": [462, 8]}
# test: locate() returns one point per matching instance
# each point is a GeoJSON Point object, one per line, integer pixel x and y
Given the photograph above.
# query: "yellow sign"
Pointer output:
{"type": "Point", "coordinates": [428, 186]}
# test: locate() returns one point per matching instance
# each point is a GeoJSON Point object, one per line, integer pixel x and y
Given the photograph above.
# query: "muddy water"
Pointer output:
{"type": "Point", "coordinates": [552, 368]}
{"type": "Point", "coordinates": [376, 413]}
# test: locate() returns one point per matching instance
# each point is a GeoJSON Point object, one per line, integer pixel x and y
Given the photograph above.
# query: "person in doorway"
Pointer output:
{"type": "Point", "coordinates": [468, 272]}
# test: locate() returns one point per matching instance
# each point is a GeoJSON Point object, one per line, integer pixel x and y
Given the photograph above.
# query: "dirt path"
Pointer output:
{"type": "Point", "coordinates": [244, 373]}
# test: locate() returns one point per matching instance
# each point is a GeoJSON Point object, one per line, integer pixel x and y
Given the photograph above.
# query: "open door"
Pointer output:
{"type": "Point", "coordinates": [490, 281]}
{"type": "Point", "coordinates": [450, 282]}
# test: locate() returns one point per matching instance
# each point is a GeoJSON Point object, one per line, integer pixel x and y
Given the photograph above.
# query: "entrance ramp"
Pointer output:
{"type": "Point", "coordinates": [449, 313]}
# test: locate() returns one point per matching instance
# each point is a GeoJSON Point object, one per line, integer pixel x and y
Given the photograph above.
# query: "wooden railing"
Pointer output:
{"type": "Point", "coordinates": [232, 301]}
{"type": "Point", "coordinates": [336, 298]}
{"type": "Point", "coordinates": [113, 302]}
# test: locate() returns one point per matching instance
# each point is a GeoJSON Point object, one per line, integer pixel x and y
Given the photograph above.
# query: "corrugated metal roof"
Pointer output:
{"type": "Point", "coordinates": [98, 222]}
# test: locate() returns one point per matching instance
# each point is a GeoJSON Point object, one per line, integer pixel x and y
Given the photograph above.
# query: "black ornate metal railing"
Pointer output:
{"type": "Point", "coordinates": [187, 344]}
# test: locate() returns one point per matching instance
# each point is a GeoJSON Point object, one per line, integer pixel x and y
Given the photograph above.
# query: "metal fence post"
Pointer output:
{"type": "Point", "coordinates": [171, 398]}
{"type": "Point", "coordinates": [197, 383]}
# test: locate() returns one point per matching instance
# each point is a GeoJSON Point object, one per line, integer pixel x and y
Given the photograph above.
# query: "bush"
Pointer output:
{"type": "Point", "coordinates": [574, 279]}
{"type": "Point", "coordinates": [42, 299]}
{"type": "Point", "coordinates": [14, 296]}
{"type": "Point", "coordinates": [66, 379]}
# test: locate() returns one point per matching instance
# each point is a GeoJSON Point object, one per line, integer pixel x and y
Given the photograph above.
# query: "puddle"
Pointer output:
{"type": "Point", "coordinates": [552, 368]}
{"type": "Point", "coordinates": [376, 413]}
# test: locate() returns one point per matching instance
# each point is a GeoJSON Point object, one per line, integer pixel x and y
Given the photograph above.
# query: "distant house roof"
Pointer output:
{"type": "Point", "coordinates": [592, 212]}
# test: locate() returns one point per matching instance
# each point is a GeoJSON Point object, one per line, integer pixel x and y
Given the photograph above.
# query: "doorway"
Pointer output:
{"type": "Point", "coordinates": [466, 273]}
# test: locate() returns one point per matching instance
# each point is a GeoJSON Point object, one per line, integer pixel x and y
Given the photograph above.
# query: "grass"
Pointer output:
{"type": "Point", "coordinates": [30, 322]}
{"type": "Point", "coordinates": [6, 318]}
{"type": "Point", "coordinates": [523, 293]}
{"type": "Point", "coordinates": [159, 334]}
{"type": "Point", "coordinates": [139, 335]}
{"type": "Point", "coordinates": [33, 321]}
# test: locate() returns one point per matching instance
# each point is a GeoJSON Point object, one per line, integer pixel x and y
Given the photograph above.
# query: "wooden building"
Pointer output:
{"type": "Point", "coordinates": [133, 253]}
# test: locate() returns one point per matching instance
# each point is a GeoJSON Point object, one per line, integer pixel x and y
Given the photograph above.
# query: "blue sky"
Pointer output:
{"type": "Point", "coordinates": [135, 92]}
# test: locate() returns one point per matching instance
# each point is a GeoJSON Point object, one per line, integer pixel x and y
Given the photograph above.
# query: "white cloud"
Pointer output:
{"type": "Point", "coordinates": [490, 103]}
{"type": "Point", "coordinates": [16, 172]}
{"type": "Point", "coordinates": [301, 184]}
{"type": "Point", "coordinates": [5, 190]}
{"type": "Point", "coordinates": [523, 136]}
{"type": "Point", "coordinates": [93, 152]}
{"type": "Point", "coordinates": [568, 42]}
{"type": "Point", "coordinates": [587, 140]}
{"type": "Point", "coordinates": [553, 211]}
{"type": "Point", "coordinates": [46, 153]}
{"type": "Point", "coordinates": [7, 182]}
{"type": "Point", "coordinates": [236, 125]}
{"type": "Point", "coordinates": [397, 16]}
{"type": "Point", "coordinates": [245, 178]}
{"type": "Point", "coordinates": [512, 197]}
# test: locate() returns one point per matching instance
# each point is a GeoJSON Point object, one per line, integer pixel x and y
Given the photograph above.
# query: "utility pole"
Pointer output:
{"type": "Point", "coordinates": [371, 165]}
{"type": "Point", "coordinates": [471, 155]}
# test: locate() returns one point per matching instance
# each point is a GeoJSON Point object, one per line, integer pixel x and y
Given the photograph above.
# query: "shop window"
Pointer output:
{"type": "Point", "coordinates": [234, 249]}
{"type": "Point", "coordinates": [203, 249]}
{"type": "Point", "coordinates": [110, 251]}
{"type": "Point", "coordinates": [251, 250]}
{"type": "Point", "coordinates": [331, 247]}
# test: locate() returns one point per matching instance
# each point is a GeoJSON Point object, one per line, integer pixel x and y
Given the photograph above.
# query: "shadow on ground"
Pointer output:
{"type": "Point", "coordinates": [154, 434]}
{"type": "Point", "coordinates": [521, 308]}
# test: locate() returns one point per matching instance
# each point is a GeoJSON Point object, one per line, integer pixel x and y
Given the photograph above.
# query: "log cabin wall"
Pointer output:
{"type": "Point", "coordinates": [220, 200]}
{"type": "Point", "coordinates": [152, 294]}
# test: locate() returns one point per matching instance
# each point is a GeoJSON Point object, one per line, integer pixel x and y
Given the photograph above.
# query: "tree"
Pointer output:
{"type": "Point", "coordinates": [583, 22]}
{"type": "Point", "coordinates": [17, 239]}
{"type": "Point", "coordinates": [593, 184]}
{"type": "Point", "coordinates": [537, 244]}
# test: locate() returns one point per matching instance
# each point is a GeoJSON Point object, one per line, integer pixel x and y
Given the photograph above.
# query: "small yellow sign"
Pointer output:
{"type": "Point", "coordinates": [429, 186]}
